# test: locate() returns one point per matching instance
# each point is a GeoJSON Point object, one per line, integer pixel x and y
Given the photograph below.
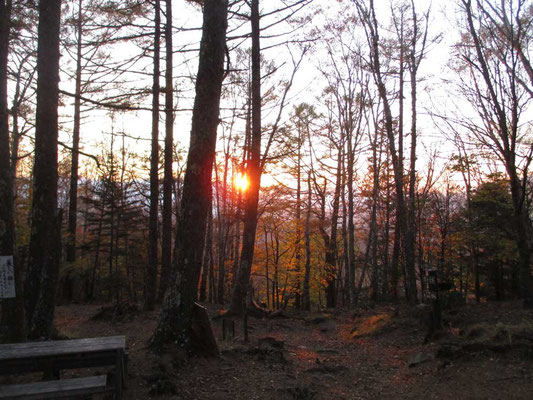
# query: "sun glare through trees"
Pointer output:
{"type": "Point", "coordinates": [241, 182]}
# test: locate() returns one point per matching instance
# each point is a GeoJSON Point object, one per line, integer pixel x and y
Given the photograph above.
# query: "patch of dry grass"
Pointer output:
{"type": "Point", "coordinates": [500, 332]}
{"type": "Point", "coordinates": [370, 325]}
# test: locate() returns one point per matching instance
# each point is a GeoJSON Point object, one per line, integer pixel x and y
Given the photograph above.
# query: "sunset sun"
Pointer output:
{"type": "Point", "coordinates": [241, 182]}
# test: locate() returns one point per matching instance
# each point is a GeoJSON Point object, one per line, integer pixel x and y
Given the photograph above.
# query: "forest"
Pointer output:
{"type": "Point", "coordinates": [356, 169]}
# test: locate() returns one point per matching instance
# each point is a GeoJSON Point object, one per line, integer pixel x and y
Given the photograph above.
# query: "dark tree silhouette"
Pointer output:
{"type": "Point", "coordinates": [175, 318]}
{"type": "Point", "coordinates": [253, 172]}
{"type": "Point", "coordinates": [151, 273]}
{"type": "Point", "coordinates": [12, 309]}
{"type": "Point", "coordinates": [44, 251]}
{"type": "Point", "coordinates": [166, 226]}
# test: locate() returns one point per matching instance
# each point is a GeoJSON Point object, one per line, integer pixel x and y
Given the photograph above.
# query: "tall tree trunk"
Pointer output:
{"type": "Point", "coordinates": [346, 256]}
{"type": "Point", "coordinates": [96, 262]}
{"type": "Point", "coordinates": [73, 190]}
{"type": "Point", "coordinates": [208, 256]}
{"type": "Point", "coordinates": [212, 294]}
{"type": "Point", "coordinates": [275, 287]}
{"type": "Point", "coordinates": [306, 298]}
{"type": "Point", "coordinates": [166, 239]}
{"type": "Point", "coordinates": [372, 235]}
{"type": "Point", "coordinates": [221, 260]}
{"type": "Point", "coordinates": [298, 240]}
{"type": "Point", "coordinates": [45, 249]}
{"type": "Point", "coordinates": [267, 276]}
{"type": "Point", "coordinates": [223, 230]}
{"type": "Point", "coordinates": [253, 172]}
{"type": "Point", "coordinates": [389, 283]}
{"type": "Point", "coordinates": [236, 250]}
{"type": "Point", "coordinates": [120, 230]}
{"type": "Point", "coordinates": [112, 224]}
{"type": "Point", "coordinates": [350, 217]}
{"type": "Point", "coordinates": [410, 233]}
{"type": "Point", "coordinates": [175, 318]}
{"type": "Point", "coordinates": [331, 247]}
{"type": "Point", "coordinates": [151, 271]}
{"type": "Point", "coordinates": [12, 316]}
{"type": "Point", "coordinates": [370, 20]}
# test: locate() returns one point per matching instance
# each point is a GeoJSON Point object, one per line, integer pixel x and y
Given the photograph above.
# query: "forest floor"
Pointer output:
{"type": "Point", "coordinates": [484, 352]}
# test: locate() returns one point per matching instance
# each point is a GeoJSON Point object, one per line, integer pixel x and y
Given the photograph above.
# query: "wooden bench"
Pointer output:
{"type": "Point", "coordinates": [53, 356]}
{"type": "Point", "coordinates": [71, 388]}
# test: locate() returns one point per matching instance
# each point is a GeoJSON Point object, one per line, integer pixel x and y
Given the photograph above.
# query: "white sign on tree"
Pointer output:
{"type": "Point", "coordinates": [7, 277]}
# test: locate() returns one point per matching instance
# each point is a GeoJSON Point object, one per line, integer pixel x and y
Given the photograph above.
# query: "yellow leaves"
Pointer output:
{"type": "Point", "coordinates": [370, 325]}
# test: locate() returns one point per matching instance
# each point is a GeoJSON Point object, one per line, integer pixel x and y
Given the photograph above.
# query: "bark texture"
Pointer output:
{"type": "Point", "coordinates": [175, 319]}
{"type": "Point", "coordinates": [44, 248]}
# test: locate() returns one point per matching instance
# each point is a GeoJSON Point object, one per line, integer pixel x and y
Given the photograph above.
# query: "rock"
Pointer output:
{"type": "Point", "coordinates": [419, 358]}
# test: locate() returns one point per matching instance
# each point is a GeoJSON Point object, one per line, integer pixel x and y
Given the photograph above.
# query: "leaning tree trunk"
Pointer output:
{"type": "Point", "coordinates": [44, 248]}
{"type": "Point", "coordinates": [12, 316]}
{"type": "Point", "coordinates": [254, 174]}
{"type": "Point", "coordinates": [175, 319]}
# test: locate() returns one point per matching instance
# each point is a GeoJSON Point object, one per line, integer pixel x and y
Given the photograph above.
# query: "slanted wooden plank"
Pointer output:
{"type": "Point", "coordinates": [55, 389]}
{"type": "Point", "coordinates": [203, 337]}
{"type": "Point", "coordinates": [61, 347]}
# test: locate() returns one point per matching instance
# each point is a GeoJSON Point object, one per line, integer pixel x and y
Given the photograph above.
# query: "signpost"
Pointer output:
{"type": "Point", "coordinates": [7, 277]}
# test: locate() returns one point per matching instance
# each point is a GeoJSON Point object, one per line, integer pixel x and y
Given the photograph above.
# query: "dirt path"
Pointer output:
{"type": "Point", "coordinates": [314, 356]}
